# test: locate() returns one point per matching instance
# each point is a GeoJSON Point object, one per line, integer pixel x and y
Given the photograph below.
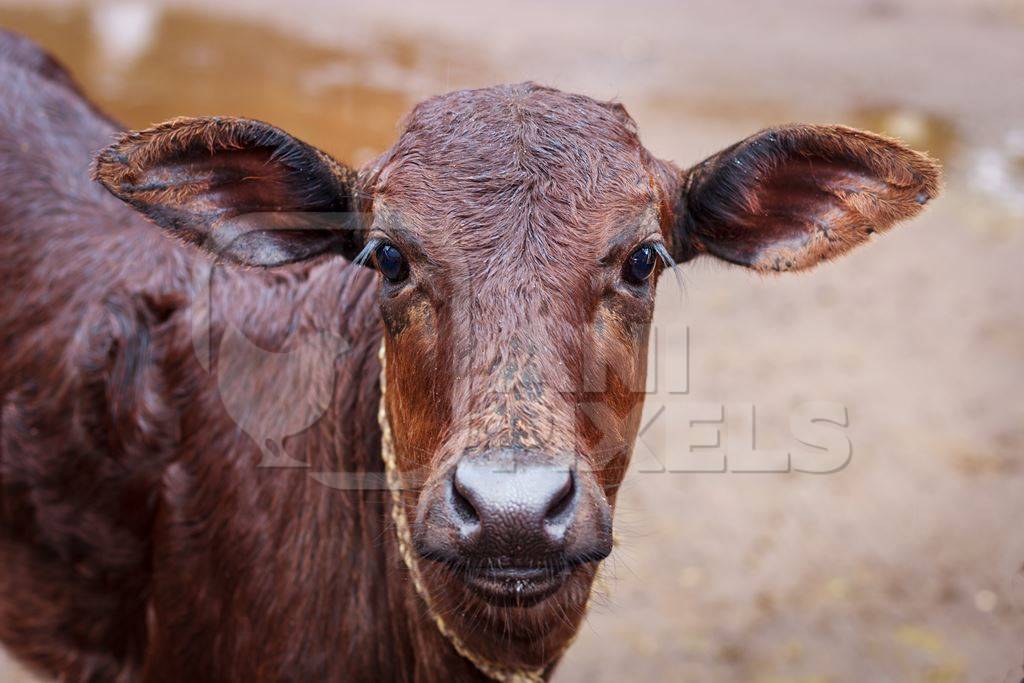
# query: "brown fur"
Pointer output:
{"type": "Point", "coordinates": [139, 537]}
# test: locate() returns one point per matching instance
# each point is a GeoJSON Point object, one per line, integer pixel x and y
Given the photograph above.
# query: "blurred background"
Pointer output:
{"type": "Point", "coordinates": [906, 565]}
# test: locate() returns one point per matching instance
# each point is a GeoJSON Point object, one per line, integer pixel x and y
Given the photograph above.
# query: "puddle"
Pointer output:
{"type": "Point", "coordinates": [920, 130]}
{"type": "Point", "coordinates": [998, 172]}
{"type": "Point", "coordinates": [145, 64]}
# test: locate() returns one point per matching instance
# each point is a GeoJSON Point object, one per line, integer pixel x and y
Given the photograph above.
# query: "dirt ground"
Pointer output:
{"type": "Point", "coordinates": [904, 565]}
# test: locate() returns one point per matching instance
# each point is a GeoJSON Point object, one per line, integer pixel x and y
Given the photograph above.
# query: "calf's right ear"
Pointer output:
{"type": "Point", "coordinates": [239, 189]}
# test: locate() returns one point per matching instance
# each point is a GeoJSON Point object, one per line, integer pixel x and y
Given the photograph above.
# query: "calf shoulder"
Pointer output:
{"type": "Point", "coordinates": [82, 451]}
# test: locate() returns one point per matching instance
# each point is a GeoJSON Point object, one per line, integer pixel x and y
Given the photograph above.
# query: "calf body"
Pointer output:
{"type": "Point", "coordinates": [138, 539]}
{"type": "Point", "coordinates": [171, 431]}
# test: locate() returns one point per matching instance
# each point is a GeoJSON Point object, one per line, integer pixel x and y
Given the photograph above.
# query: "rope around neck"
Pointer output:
{"type": "Point", "coordinates": [492, 670]}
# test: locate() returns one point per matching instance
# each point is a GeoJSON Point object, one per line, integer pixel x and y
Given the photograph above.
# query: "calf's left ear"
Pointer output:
{"type": "Point", "coordinates": [788, 198]}
{"type": "Point", "coordinates": [239, 189]}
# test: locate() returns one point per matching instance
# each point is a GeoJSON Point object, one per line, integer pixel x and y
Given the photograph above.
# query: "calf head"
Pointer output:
{"type": "Point", "coordinates": [519, 232]}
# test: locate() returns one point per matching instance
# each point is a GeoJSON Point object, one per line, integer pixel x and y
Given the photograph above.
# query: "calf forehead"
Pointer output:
{"type": "Point", "coordinates": [508, 166]}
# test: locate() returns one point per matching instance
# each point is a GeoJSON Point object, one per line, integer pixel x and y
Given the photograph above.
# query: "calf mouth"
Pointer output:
{"type": "Point", "coordinates": [514, 586]}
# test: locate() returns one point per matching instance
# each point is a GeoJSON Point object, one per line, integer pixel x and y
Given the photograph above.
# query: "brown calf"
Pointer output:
{"type": "Point", "coordinates": [519, 232]}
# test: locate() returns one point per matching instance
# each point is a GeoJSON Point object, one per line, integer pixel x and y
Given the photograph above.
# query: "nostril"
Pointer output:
{"type": "Point", "coordinates": [462, 503]}
{"type": "Point", "coordinates": [463, 507]}
{"type": "Point", "coordinates": [562, 502]}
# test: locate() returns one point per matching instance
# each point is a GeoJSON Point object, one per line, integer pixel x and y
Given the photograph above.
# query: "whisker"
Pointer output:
{"type": "Point", "coordinates": [670, 263]}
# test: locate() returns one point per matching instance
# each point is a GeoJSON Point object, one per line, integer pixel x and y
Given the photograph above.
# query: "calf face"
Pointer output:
{"type": "Point", "coordinates": [519, 232]}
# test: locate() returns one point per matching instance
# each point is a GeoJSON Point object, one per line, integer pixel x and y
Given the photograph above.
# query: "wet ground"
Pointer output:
{"type": "Point", "coordinates": [906, 564]}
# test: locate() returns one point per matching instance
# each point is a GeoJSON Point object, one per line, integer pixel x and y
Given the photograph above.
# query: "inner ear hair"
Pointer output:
{"type": "Point", "coordinates": [239, 188]}
{"type": "Point", "coordinates": [788, 198]}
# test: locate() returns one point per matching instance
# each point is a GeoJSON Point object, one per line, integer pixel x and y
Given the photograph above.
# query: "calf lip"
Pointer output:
{"type": "Point", "coordinates": [514, 586]}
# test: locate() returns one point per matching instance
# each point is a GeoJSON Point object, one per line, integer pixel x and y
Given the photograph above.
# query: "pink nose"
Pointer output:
{"type": "Point", "coordinates": [508, 512]}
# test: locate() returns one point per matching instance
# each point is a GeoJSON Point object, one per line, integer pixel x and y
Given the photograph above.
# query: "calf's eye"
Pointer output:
{"type": "Point", "coordinates": [391, 263]}
{"type": "Point", "coordinates": [640, 264]}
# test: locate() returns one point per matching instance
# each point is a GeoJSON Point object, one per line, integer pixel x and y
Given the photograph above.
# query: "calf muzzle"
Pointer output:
{"type": "Point", "coordinates": [514, 522]}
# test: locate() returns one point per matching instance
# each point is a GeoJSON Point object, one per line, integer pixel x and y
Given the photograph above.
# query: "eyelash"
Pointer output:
{"type": "Point", "coordinates": [371, 246]}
